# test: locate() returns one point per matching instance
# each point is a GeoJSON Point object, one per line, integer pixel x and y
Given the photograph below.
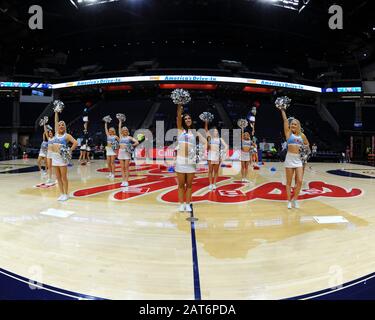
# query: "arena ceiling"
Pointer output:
{"type": "Point", "coordinates": [250, 28]}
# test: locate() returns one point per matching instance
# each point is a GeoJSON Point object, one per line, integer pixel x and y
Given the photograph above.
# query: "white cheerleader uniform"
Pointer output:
{"type": "Point", "coordinates": [293, 160]}
{"type": "Point", "coordinates": [186, 164]}
{"type": "Point", "coordinates": [109, 150]}
{"type": "Point", "coordinates": [245, 156]}
{"type": "Point", "coordinates": [57, 159]}
{"type": "Point", "coordinates": [214, 152]}
{"type": "Point", "coordinates": [43, 148]}
{"type": "Point", "coordinates": [125, 145]}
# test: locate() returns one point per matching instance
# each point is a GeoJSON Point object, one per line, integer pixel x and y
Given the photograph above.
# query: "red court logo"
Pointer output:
{"type": "Point", "coordinates": [158, 178]}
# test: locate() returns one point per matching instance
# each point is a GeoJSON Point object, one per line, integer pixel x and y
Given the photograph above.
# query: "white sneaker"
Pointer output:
{"type": "Point", "coordinates": [188, 208]}
{"type": "Point", "coordinates": [61, 197]}
{"type": "Point", "coordinates": [125, 184]}
{"type": "Point", "coordinates": [50, 181]}
{"type": "Point", "coordinates": [210, 187]}
{"type": "Point", "coordinates": [125, 189]}
{"type": "Point", "coordinates": [296, 204]}
{"type": "Point", "coordinates": [289, 205]}
{"type": "Point", "coordinates": [181, 208]}
{"type": "Point", "coordinates": [214, 187]}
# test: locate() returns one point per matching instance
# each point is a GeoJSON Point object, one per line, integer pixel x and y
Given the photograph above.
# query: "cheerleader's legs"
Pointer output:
{"type": "Point", "coordinates": [49, 168]}
{"type": "Point", "coordinates": [210, 171]}
{"type": "Point", "coordinates": [216, 168]}
{"type": "Point", "coordinates": [111, 164]}
{"type": "Point", "coordinates": [59, 180]}
{"type": "Point", "coordinates": [125, 170]}
{"type": "Point", "coordinates": [185, 184]}
{"type": "Point", "coordinates": [298, 186]}
{"type": "Point", "coordinates": [82, 156]}
{"type": "Point", "coordinates": [244, 169]}
{"type": "Point", "coordinates": [181, 179]}
{"type": "Point", "coordinates": [62, 178]}
{"type": "Point", "coordinates": [289, 172]}
{"type": "Point", "coordinates": [40, 160]}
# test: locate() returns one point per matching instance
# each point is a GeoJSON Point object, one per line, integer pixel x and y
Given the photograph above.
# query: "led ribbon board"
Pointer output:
{"type": "Point", "coordinates": [191, 78]}
{"type": "Point", "coordinates": [342, 90]}
{"type": "Point", "coordinates": [25, 85]}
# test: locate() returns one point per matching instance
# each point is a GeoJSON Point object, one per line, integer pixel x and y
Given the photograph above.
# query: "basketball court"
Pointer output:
{"type": "Point", "coordinates": [243, 243]}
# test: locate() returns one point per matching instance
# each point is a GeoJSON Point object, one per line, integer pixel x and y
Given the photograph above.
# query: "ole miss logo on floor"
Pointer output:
{"type": "Point", "coordinates": [158, 178]}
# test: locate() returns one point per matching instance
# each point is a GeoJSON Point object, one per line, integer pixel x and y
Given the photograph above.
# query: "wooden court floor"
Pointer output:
{"type": "Point", "coordinates": [244, 243]}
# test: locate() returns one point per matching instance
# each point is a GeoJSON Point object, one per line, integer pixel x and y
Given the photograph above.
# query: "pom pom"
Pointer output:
{"type": "Point", "coordinates": [180, 97]}
{"type": "Point", "coordinates": [107, 119]}
{"type": "Point", "coordinates": [49, 128]}
{"type": "Point", "coordinates": [197, 153]}
{"type": "Point", "coordinates": [65, 154]}
{"type": "Point", "coordinates": [58, 106]}
{"type": "Point", "coordinates": [242, 123]}
{"type": "Point", "coordinates": [115, 145]}
{"type": "Point", "coordinates": [207, 116]}
{"type": "Point", "coordinates": [121, 117]}
{"type": "Point", "coordinates": [305, 153]}
{"type": "Point", "coordinates": [223, 155]}
{"type": "Point", "coordinates": [42, 122]}
{"type": "Point", "coordinates": [283, 103]}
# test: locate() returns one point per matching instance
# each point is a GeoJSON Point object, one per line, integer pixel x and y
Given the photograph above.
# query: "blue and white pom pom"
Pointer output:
{"type": "Point", "coordinates": [107, 119]}
{"type": "Point", "coordinates": [223, 155]}
{"type": "Point", "coordinates": [242, 123]}
{"type": "Point", "coordinates": [305, 153]}
{"type": "Point", "coordinates": [42, 122]}
{"type": "Point", "coordinates": [65, 154]}
{"type": "Point", "coordinates": [115, 145]}
{"type": "Point", "coordinates": [207, 116]}
{"type": "Point", "coordinates": [58, 106]}
{"type": "Point", "coordinates": [283, 103]}
{"type": "Point", "coordinates": [180, 97]}
{"type": "Point", "coordinates": [196, 153]}
{"type": "Point", "coordinates": [121, 117]}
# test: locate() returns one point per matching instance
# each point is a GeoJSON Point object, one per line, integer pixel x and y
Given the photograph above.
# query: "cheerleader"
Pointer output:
{"type": "Point", "coordinates": [293, 163]}
{"type": "Point", "coordinates": [254, 153]}
{"type": "Point", "coordinates": [185, 160]}
{"type": "Point", "coordinates": [43, 155]}
{"type": "Point", "coordinates": [127, 143]}
{"type": "Point", "coordinates": [112, 143]}
{"type": "Point", "coordinates": [88, 150]}
{"type": "Point", "coordinates": [62, 138]}
{"type": "Point", "coordinates": [50, 137]}
{"type": "Point", "coordinates": [245, 158]}
{"type": "Point", "coordinates": [216, 146]}
{"type": "Point", "coordinates": [83, 157]}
